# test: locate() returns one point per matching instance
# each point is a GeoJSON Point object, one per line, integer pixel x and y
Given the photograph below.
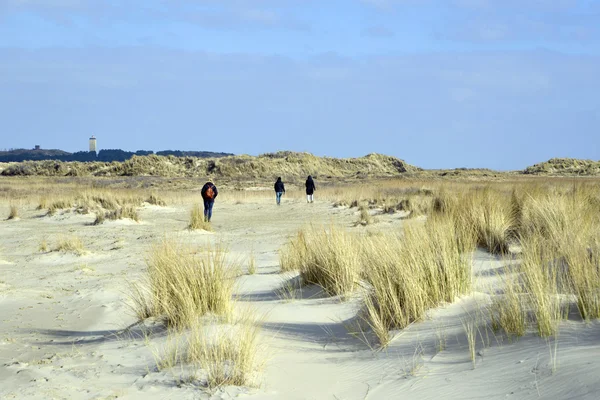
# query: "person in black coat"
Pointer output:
{"type": "Point", "coordinates": [279, 190]}
{"type": "Point", "coordinates": [310, 189]}
{"type": "Point", "coordinates": [209, 193]}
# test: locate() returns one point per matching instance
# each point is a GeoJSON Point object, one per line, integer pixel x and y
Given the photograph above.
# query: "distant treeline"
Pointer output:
{"type": "Point", "coordinates": [103, 155]}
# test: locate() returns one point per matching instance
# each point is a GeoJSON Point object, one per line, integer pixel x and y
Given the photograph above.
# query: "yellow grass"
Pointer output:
{"type": "Point", "coordinates": [182, 284]}
{"type": "Point", "coordinates": [217, 354]}
{"type": "Point", "coordinates": [197, 220]}
{"type": "Point", "coordinates": [124, 212]}
{"type": "Point", "coordinates": [44, 246]}
{"type": "Point", "coordinates": [70, 244]}
{"type": "Point", "coordinates": [13, 213]}
{"type": "Point", "coordinates": [364, 217]}
{"type": "Point", "coordinates": [408, 275]}
{"type": "Point", "coordinates": [155, 200]}
{"type": "Point", "coordinates": [325, 256]}
{"type": "Point", "coordinates": [509, 310]}
{"type": "Point", "coordinates": [251, 263]}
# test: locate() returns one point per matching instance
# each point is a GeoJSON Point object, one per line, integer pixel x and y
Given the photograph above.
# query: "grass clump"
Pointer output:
{"type": "Point", "coordinates": [70, 245]}
{"type": "Point", "coordinates": [44, 246]}
{"type": "Point", "coordinates": [364, 217]}
{"type": "Point", "coordinates": [197, 220]}
{"type": "Point", "coordinates": [13, 213]}
{"type": "Point", "coordinates": [43, 203]}
{"type": "Point", "coordinates": [509, 311]}
{"type": "Point", "coordinates": [155, 200]}
{"type": "Point", "coordinates": [328, 257]}
{"type": "Point", "coordinates": [182, 284]}
{"type": "Point", "coordinates": [489, 214]}
{"type": "Point", "coordinates": [59, 205]}
{"type": "Point", "coordinates": [123, 212]}
{"type": "Point", "coordinates": [252, 263]}
{"type": "Point", "coordinates": [583, 262]}
{"type": "Point", "coordinates": [218, 354]}
{"type": "Point", "coordinates": [294, 254]}
{"type": "Point", "coordinates": [542, 276]}
{"type": "Point", "coordinates": [100, 218]}
{"type": "Point", "coordinates": [429, 265]}
{"type": "Point", "coordinates": [227, 356]}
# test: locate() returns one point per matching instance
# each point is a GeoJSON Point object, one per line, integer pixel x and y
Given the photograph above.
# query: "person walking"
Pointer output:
{"type": "Point", "coordinates": [209, 193]}
{"type": "Point", "coordinates": [310, 189]}
{"type": "Point", "coordinates": [279, 190]}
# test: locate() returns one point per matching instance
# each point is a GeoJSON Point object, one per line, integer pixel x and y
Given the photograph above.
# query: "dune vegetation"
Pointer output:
{"type": "Point", "coordinates": [233, 167]}
{"type": "Point", "coordinates": [403, 249]}
{"type": "Point", "coordinates": [551, 229]}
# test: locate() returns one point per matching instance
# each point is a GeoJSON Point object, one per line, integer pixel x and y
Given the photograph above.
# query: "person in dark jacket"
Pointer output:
{"type": "Point", "coordinates": [279, 190]}
{"type": "Point", "coordinates": [310, 189]}
{"type": "Point", "coordinates": [209, 194]}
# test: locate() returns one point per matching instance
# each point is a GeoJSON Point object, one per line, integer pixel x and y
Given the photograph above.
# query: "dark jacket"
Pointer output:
{"type": "Point", "coordinates": [279, 186]}
{"type": "Point", "coordinates": [205, 188]}
{"type": "Point", "coordinates": [310, 185]}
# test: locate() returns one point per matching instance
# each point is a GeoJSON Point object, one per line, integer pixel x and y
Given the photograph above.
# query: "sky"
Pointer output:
{"type": "Point", "coordinates": [499, 84]}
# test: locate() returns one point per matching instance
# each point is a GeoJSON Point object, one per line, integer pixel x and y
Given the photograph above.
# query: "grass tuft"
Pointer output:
{"type": "Point", "coordinates": [197, 220]}
{"type": "Point", "coordinates": [328, 257]}
{"type": "Point", "coordinates": [70, 245]}
{"type": "Point", "coordinates": [182, 284]}
{"type": "Point", "coordinates": [155, 200]}
{"type": "Point", "coordinates": [13, 213]}
{"type": "Point", "coordinates": [123, 212]}
{"type": "Point", "coordinates": [429, 265]}
{"type": "Point", "coordinates": [252, 263]}
{"type": "Point", "coordinates": [364, 217]}
{"type": "Point", "coordinates": [218, 354]}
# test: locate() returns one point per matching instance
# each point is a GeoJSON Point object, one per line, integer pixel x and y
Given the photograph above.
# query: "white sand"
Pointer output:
{"type": "Point", "coordinates": [62, 318]}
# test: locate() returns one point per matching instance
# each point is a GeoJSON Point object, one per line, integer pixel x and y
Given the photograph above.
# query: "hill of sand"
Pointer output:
{"type": "Point", "coordinates": [63, 317]}
{"type": "Point", "coordinates": [565, 167]}
{"type": "Point", "coordinates": [292, 165]}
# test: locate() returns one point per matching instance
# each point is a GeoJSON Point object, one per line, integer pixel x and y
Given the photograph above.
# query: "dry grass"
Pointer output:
{"type": "Point", "coordinates": [541, 278]}
{"type": "Point", "coordinates": [155, 200]}
{"type": "Point", "coordinates": [100, 218]}
{"type": "Point", "coordinates": [364, 216]}
{"type": "Point", "coordinates": [43, 203]}
{"type": "Point", "coordinates": [509, 311]}
{"type": "Point", "coordinates": [124, 212]}
{"type": "Point", "coordinates": [429, 265]}
{"type": "Point", "coordinates": [251, 263]}
{"type": "Point", "coordinates": [487, 212]}
{"type": "Point", "coordinates": [70, 244]}
{"type": "Point", "coordinates": [325, 256]}
{"type": "Point", "coordinates": [294, 254]}
{"type": "Point", "coordinates": [215, 353]}
{"type": "Point", "coordinates": [59, 205]}
{"type": "Point", "coordinates": [13, 213]}
{"type": "Point", "coordinates": [44, 246]}
{"type": "Point", "coordinates": [470, 328]}
{"type": "Point", "coordinates": [182, 285]}
{"type": "Point", "coordinates": [558, 233]}
{"type": "Point", "coordinates": [197, 220]}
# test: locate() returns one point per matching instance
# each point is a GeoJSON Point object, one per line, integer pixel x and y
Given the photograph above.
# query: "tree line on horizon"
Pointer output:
{"type": "Point", "coordinates": [108, 155]}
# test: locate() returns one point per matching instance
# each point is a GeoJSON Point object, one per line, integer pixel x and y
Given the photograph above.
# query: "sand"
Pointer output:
{"type": "Point", "coordinates": [63, 317]}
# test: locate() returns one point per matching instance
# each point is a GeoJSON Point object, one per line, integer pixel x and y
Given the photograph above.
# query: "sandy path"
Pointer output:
{"type": "Point", "coordinates": [62, 317]}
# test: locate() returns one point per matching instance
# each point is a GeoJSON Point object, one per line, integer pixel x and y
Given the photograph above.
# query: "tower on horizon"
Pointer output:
{"type": "Point", "coordinates": [93, 143]}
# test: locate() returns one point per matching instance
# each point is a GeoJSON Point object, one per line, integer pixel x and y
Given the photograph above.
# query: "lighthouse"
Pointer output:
{"type": "Point", "coordinates": [93, 143]}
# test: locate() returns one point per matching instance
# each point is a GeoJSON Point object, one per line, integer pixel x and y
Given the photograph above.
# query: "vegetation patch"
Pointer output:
{"type": "Point", "coordinates": [183, 284]}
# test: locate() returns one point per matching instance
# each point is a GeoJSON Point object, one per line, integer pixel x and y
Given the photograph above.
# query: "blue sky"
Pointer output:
{"type": "Point", "coordinates": [442, 84]}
